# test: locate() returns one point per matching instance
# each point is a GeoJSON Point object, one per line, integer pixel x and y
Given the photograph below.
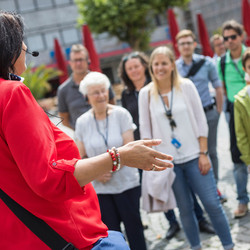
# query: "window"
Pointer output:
{"type": "Point", "coordinates": [61, 2]}
{"type": "Point", "coordinates": [8, 5]}
{"type": "Point", "coordinates": [49, 38]}
{"type": "Point", "coordinates": [70, 36]}
{"type": "Point", "coordinates": [26, 5]}
{"type": "Point", "coordinates": [44, 4]}
{"type": "Point", "coordinates": [35, 43]}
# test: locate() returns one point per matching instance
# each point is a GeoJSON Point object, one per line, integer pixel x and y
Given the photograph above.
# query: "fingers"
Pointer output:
{"type": "Point", "coordinates": [150, 143]}
{"type": "Point", "coordinates": [157, 168]}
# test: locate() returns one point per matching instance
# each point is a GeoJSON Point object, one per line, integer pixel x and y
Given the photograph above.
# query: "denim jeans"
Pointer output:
{"type": "Point", "coordinates": [114, 241]}
{"type": "Point", "coordinates": [170, 215]}
{"type": "Point", "coordinates": [241, 178]}
{"type": "Point", "coordinates": [188, 174]}
{"type": "Point", "coordinates": [212, 121]}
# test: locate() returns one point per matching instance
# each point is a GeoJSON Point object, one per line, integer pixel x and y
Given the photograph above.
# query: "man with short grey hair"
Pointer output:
{"type": "Point", "coordinates": [71, 103]}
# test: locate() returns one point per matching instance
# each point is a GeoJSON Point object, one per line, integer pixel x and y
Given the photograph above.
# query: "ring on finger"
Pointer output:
{"type": "Point", "coordinates": [153, 168]}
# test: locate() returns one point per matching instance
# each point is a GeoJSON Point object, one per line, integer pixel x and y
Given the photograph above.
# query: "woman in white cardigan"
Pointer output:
{"type": "Point", "coordinates": [170, 108]}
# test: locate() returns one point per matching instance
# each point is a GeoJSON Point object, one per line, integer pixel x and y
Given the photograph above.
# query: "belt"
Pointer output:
{"type": "Point", "coordinates": [209, 107]}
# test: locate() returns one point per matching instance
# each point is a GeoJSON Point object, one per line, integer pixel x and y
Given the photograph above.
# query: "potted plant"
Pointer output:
{"type": "Point", "coordinates": [37, 81]}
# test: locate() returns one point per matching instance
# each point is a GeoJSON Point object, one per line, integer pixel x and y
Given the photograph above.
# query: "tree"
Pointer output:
{"type": "Point", "coordinates": [130, 21]}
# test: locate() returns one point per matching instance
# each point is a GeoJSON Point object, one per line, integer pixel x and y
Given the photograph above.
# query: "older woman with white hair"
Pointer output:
{"type": "Point", "coordinates": [102, 127]}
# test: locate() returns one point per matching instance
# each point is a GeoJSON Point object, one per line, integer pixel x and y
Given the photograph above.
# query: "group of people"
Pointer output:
{"type": "Point", "coordinates": [47, 199]}
{"type": "Point", "coordinates": [160, 102]}
{"type": "Point", "coordinates": [164, 99]}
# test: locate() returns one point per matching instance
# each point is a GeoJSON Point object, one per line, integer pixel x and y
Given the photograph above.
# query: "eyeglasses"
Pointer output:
{"type": "Point", "coordinates": [97, 93]}
{"type": "Point", "coordinates": [79, 60]}
{"type": "Point", "coordinates": [232, 37]}
{"type": "Point", "coordinates": [185, 43]}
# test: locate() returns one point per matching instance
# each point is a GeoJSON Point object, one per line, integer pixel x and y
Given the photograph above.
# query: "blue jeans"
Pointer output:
{"type": "Point", "coordinates": [170, 215]}
{"type": "Point", "coordinates": [114, 241]}
{"type": "Point", "coordinates": [241, 178]}
{"type": "Point", "coordinates": [188, 174]}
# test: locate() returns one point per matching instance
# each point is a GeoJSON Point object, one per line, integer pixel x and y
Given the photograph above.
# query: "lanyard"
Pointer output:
{"type": "Point", "coordinates": [105, 138]}
{"type": "Point", "coordinates": [168, 112]}
{"type": "Point", "coordinates": [236, 67]}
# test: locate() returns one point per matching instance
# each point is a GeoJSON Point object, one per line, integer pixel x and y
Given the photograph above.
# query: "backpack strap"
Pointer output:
{"type": "Point", "coordinates": [223, 66]}
{"type": "Point", "coordinates": [195, 67]}
{"type": "Point", "coordinates": [41, 229]}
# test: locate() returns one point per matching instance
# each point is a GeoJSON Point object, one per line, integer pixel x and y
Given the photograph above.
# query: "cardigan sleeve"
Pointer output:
{"type": "Point", "coordinates": [144, 114]}
{"type": "Point", "coordinates": [194, 100]}
{"type": "Point", "coordinates": [31, 141]}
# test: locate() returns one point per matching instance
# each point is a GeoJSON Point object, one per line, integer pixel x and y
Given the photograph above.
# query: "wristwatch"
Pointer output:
{"type": "Point", "coordinates": [203, 152]}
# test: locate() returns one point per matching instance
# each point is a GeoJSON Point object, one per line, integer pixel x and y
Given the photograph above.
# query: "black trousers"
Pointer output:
{"type": "Point", "coordinates": [124, 207]}
{"type": "Point", "coordinates": [235, 153]}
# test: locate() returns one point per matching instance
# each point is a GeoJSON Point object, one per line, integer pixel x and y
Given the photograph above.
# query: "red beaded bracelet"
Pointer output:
{"type": "Point", "coordinates": [118, 158]}
{"type": "Point", "coordinates": [112, 153]}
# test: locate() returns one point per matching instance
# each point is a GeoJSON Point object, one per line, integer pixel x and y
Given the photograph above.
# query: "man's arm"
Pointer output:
{"type": "Point", "coordinates": [65, 119]}
{"type": "Point", "coordinates": [219, 99]}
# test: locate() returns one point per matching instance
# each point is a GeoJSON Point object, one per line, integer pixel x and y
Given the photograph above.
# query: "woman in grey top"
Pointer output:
{"type": "Point", "coordinates": [102, 127]}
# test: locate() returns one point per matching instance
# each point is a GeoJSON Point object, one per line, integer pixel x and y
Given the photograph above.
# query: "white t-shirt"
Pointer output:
{"type": "Point", "coordinates": [119, 121]}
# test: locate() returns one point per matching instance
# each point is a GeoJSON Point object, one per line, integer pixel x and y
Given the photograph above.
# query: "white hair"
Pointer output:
{"type": "Point", "coordinates": [93, 79]}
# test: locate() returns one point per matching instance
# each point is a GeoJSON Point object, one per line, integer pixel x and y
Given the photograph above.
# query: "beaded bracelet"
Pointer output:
{"type": "Point", "coordinates": [115, 156]}
{"type": "Point", "coordinates": [118, 158]}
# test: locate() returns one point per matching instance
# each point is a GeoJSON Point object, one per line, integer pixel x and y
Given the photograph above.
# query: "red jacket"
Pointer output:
{"type": "Point", "coordinates": [36, 169]}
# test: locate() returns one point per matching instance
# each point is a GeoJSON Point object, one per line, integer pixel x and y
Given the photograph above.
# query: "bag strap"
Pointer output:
{"type": "Point", "coordinates": [150, 120]}
{"type": "Point", "coordinates": [41, 229]}
{"type": "Point", "coordinates": [223, 66]}
{"type": "Point", "coordinates": [195, 67]}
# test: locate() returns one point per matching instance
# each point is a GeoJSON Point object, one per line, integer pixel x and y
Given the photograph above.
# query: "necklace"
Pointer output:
{"type": "Point", "coordinates": [105, 137]}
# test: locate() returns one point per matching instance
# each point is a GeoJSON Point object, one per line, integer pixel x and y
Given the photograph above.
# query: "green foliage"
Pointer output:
{"type": "Point", "coordinates": [37, 80]}
{"type": "Point", "coordinates": [130, 21]}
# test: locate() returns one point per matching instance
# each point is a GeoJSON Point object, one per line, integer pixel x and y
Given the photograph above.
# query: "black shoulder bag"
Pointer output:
{"type": "Point", "coordinates": [195, 68]}
{"type": "Point", "coordinates": [41, 229]}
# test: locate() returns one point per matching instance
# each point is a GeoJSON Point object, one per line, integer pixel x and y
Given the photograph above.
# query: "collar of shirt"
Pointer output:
{"type": "Point", "coordinates": [229, 58]}
{"type": "Point", "coordinates": [195, 58]}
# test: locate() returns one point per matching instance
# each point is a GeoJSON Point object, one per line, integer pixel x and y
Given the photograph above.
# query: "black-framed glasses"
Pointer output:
{"type": "Point", "coordinates": [232, 37]}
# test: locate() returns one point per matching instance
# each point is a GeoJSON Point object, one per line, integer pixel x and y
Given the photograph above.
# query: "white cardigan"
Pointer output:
{"type": "Point", "coordinates": [157, 194]}
{"type": "Point", "coordinates": [194, 106]}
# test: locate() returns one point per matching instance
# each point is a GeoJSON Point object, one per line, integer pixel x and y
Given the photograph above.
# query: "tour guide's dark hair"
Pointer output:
{"type": "Point", "coordinates": [11, 38]}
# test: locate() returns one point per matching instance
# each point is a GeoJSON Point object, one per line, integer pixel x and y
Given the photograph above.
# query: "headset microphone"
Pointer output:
{"type": "Point", "coordinates": [33, 53]}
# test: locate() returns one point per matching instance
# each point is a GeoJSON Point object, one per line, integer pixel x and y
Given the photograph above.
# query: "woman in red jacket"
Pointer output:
{"type": "Point", "coordinates": [40, 166]}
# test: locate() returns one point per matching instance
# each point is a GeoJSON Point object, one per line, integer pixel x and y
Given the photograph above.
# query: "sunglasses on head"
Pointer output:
{"type": "Point", "coordinates": [232, 37]}
{"type": "Point", "coordinates": [132, 55]}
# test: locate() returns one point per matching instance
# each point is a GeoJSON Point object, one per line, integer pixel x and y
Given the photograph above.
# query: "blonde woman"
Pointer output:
{"type": "Point", "coordinates": [175, 115]}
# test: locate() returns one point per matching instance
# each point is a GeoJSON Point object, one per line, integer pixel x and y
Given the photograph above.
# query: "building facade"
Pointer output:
{"type": "Point", "coordinates": [49, 19]}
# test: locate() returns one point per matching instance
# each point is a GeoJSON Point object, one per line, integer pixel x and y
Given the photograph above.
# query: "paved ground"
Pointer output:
{"type": "Point", "coordinates": [240, 228]}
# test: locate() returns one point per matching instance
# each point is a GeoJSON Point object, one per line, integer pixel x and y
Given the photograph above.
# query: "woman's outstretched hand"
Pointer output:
{"type": "Point", "coordinates": [139, 154]}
